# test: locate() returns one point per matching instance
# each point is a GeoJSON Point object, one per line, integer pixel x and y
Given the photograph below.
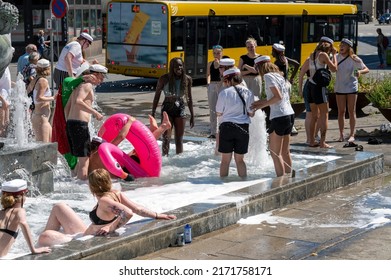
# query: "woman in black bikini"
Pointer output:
{"type": "Point", "coordinates": [13, 216]}
{"type": "Point", "coordinates": [176, 86]}
{"type": "Point", "coordinates": [112, 211]}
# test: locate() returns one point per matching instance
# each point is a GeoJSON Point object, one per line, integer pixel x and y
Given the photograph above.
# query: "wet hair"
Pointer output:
{"type": "Point", "coordinates": [99, 182]}
{"type": "Point", "coordinates": [171, 76]}
{"type": "Point", "coordinates": [8, 200]}
{"type": "Point", "coordinates": [268, 67]}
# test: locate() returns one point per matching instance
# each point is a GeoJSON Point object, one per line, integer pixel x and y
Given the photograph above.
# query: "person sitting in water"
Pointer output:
{"type": "Point", "coordinates": [95, 161]}
{"type": "Point", "coordinates": [112, 211]}
{"type": "Point", "coordinates": [13, 216]}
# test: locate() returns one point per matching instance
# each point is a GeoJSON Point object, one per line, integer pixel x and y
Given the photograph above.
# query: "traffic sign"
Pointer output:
{"type": "Point", "coordinates": [59, 8]}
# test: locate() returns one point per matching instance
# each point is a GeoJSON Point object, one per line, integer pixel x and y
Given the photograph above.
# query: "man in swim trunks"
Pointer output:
{"type": "Point", "coordinates": [78, 113]}
{"type": "Point", "coordinates": [95, 162]}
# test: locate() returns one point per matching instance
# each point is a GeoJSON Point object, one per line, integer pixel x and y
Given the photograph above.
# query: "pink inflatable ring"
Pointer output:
{"type": "Point", "coordinates": [144, 143]}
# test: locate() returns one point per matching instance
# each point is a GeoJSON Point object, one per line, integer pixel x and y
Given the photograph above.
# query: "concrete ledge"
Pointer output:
{"type": "Point", "coordinates": [148, 236]}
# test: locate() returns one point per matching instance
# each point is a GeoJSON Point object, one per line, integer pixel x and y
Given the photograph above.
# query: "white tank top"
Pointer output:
{"type": "Point", "coordinates": [47, 93]}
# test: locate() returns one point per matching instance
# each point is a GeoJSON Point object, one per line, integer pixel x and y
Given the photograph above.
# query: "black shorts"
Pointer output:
{"type": "Point", "coordinates": [282, 125]}
{"type": "Point", "coordinates": [233, 137]}
{"type": "Point", "coordinates": [317, 94]}
{"type": "Point", "coordinates": [174, 109]}
{"type": "Point", "coordinates": [78, 137]}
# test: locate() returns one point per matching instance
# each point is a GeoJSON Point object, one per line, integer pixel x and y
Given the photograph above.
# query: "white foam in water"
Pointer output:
{"type": "Point", "coordinates": [370, 211]}
{"type": "Point", "coordinates": [191, 177]}
{"type": "Point", "coordinates": [20, 121]}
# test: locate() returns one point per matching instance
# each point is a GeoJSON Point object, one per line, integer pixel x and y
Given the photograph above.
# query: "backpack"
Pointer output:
{"type": "Point", "coordinates": [385, 42]}
{"type": "Point", "coordinates": [27, 73]}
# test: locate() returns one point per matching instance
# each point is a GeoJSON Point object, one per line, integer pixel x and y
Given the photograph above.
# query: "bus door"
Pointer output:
{"type": "Point", "coordinates": [196, 48]}
{"type": "Point", "coordinates": [292, 38]}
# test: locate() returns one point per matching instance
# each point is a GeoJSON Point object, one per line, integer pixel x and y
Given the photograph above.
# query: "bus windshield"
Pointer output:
{"type": "Point", "coordinates": [137, 34]}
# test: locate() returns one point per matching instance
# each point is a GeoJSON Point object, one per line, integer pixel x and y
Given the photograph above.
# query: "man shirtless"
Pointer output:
{"type": "Point", "coordinates": [95, 162]}
{"type": "Point", "coordinates": [78, 113]}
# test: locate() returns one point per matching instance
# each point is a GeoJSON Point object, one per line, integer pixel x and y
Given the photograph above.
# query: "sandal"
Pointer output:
{"type": "Point", "coordinates": [350, 145]}
{"type": "Point", "coordinates": [359, 148]}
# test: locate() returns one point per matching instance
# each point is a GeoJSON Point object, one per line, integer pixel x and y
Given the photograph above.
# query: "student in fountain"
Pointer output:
{"type": "Point", "coordinates": [78, 113]}
{"type": "Point", "coordinates": [13, 217]}
{"type": "Point", "coordinates": [112, 211]}
{"type": "Point", "coordinates": [233, 107]}
{"type": "Point", "coordinates": [282, 116]}
{"type": "Point", "coordinates": [176, 87]}
{"type": "Point", "coordinates": [94, 160]}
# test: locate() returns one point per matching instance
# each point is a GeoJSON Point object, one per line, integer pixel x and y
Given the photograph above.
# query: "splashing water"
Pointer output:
{"type": "Point", "coordinates": [20, 126]}
{"type": "Point", "coordinates": [257, 148]}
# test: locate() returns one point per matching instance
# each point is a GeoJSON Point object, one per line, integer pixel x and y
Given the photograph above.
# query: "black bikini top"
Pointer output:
{"type": "Point", "coordinates": [94, 217]}
{"type": "Point", "coordinates": [96, 220]}
{"type": "Point", "coordinates": [14, 234]}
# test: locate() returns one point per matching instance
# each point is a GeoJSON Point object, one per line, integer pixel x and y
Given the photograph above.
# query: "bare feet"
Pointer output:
{"type": "Point", "coordinates": [166, 121]}
{"type": "Point", "coordinates": [325, 146]}
{"type": "Point", "coordinates": [152, 123]}
{"type": "Point", "coordinates": [351, 139]}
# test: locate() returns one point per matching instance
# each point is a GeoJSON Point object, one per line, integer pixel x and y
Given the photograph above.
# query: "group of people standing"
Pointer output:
{"type": "Point", "coordinates": [235, 93]}
{"type": "Point", "coordinates": [232, 107]}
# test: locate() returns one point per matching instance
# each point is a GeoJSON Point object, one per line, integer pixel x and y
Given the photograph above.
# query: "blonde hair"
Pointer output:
{"type": "Point", "coordinates": [99, 182]}
{"type": "Point", "coordinates": [43, 72]}
{"type": "Point", "coordinates": [8, 200]}
{"type": "Point", "coordinates": [251, 40]}
{"type": "Point", "coordinates": [267, 67]}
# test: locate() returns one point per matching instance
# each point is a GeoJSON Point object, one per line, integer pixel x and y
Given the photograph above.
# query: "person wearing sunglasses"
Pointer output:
{"type": "Point", "coordinates": [13, 216]}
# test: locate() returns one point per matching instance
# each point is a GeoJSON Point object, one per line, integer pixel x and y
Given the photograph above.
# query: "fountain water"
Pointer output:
{"type": "Point", "coordinates": [19, 151]}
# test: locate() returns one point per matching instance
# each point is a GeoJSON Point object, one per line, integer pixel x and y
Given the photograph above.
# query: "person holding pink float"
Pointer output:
{"type": "Point", "coordinates": [143, 165]}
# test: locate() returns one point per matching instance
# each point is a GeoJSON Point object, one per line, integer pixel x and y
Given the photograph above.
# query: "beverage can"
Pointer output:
{"type": "Point", "coordinates": [188, 233]}
{"type": "Point", "coordinates": [180, 239]}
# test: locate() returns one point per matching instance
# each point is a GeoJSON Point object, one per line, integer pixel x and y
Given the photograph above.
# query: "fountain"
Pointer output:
{"type": "Point", "coordinates": [197, 196]}
{"type": "Point", "coordinates": [20, 155]}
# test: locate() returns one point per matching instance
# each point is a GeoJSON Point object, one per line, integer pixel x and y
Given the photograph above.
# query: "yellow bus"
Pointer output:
{"type": "Point", "coordinates": [142, 36]}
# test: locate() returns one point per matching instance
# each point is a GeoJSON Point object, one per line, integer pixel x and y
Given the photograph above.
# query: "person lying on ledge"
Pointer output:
{"type": "Point", "coordinates": [112, 211]}
{"type": "Point", "coordinates": [95, 161]}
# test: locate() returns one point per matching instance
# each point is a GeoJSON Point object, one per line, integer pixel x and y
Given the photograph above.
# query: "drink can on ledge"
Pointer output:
{"type": "Point", "coordinates": [180, 239]}
{"type": "Point", "coordinates": [187, 233]}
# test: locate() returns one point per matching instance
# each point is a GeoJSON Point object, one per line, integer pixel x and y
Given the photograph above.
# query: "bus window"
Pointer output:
{"type": "Point", "coordinates": [236, 31]}
{"type": "Point", "coordinates": [256, 30]}
{"type": "Point", "coordinates": [349, 30]}
{"type": "Point", "coordinates": [274, 29]}
{"type": "Point", "coordinates": [217, 32]}
{"type": "Point", "coordinates": [177, 34]}
{"type": "Point", "coordinates": [318, 26]}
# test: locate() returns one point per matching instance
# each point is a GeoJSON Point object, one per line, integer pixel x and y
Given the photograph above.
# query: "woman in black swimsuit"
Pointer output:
{"type": "Point", "coordinates": [13, 216]}
{"type": "Point", "coordinates": [112, 211]}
